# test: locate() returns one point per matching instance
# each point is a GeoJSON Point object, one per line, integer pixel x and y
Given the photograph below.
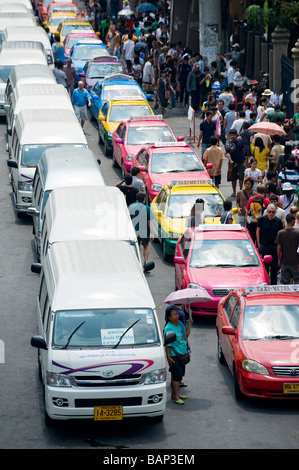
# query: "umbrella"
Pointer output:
{"type": "Point", "coordinates": [146, 7]}
{"type": "Point", "coordinates": [269, 128]}
{"type": "Point", "coordinates": [188, 296]}
{"type": "Point", "coordinates": [125, 12]}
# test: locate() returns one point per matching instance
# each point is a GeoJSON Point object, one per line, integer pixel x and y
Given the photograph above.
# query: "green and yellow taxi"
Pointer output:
{"type": "Point", "coordinates": [113, 112]}
{"type": "Point", "coordinates": [172, 206]}
{"type": "Point", "coordinates": [58, 17]}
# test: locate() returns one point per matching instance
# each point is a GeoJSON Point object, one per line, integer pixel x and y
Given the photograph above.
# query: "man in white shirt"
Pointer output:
{"type": "Point", "coordinates": [128, 48]}
{"type": "Point", "coordinates": [239, 123]}
{"type": "Point", "coordinates": [148, 78]}
{"type": "Point", "coordinates": [232, 68]}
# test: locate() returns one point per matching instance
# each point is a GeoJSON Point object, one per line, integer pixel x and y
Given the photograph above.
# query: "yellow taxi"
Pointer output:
{"type": "Point", "coordinates": [172, 207]}
{"type": "Point", "coordinates": [113, 112]}
{"type": "Point", "coordinates": [73, 25]}
{"type": "Point", "coordinates": [58, 17]}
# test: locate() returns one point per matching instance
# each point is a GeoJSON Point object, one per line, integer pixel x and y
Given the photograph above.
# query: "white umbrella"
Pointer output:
{"type": "Point", "coordinates": [125, 12]}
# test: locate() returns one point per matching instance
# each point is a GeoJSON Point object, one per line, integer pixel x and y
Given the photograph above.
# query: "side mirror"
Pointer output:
{"type": "Point", "coordinates": [149, 97]}
{"type": "Point", "coordinates": [228, 330]}
{"type": "Point", "coordinates": [142, 168]}
{"type": "Point", "coordinates": [148, 266]}
{"type": "Point", "coordinates": [180, 139]}
{"type": "Point", "coordinates": [179, 260]}
{"type": "Point", "coordinates": [101, 118]}
{"type": "Point", "coordinates": [169, 337]}
{"type": "Point", "coordinates": [118, 140]}
{"type": "Point", "coordinates": [234, 211]}
{"type": "Point", "coordinates": [209, 166]}
{"type": "Point", "coordinates": [267, 259]}
{"type": "Point", "coordinates": [38, 342]}
{"type": "Point", "coordinates": [12, 163]}
{"type": "Point", "coordinates": [9, 131]}
{"type": "Point", "coordinates": [32, 211]}
{"type": "Point", "coordinates": [36, 268]}
{"type": "Point", "coordinates": [99, 161]}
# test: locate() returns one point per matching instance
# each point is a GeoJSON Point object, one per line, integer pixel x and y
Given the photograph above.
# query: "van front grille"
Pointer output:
{"type": "Point", "coordinates": [98, 381]}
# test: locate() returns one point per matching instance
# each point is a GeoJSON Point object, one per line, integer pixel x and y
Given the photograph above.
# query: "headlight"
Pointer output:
{"type": "Point", "coordinates": [157, 187]}
{"type": "Point", "coordinates": [23, 186]}
{"type": "Point", "coordinates": [252, 366]}
{"type": "Point", "coordinates": [156, 376]}
{"type": "Point", "coordinates": [129, 157]}
{"type": "Point", "coordinates": [58, 380]}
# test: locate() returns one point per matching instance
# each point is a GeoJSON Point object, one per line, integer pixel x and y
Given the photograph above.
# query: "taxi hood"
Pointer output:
{"type": "Point", "coordinates": [264, 351]}
{"type": "Point", "coordinates": [219, 277]}
{"type": "Point", "coordinates": [166, 179]}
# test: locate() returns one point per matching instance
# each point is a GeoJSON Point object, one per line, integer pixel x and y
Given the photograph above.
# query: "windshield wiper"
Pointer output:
{"type": "Point", "coordinates": [72, 334]}
{"type": "Point", "coordinates": [131, 326]}
{"type": "Point", "coordinates": [284, 337]}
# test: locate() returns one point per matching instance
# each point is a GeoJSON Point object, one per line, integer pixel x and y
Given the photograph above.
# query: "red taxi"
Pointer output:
{"type": "Point", "coordinates": [258, 338]}
{"type": "Point", "coordinates": [162, 163]}
{"type": "Point", "coordinates": [219, 258]}
{"type": "Point", "coordinates": [132, 135]}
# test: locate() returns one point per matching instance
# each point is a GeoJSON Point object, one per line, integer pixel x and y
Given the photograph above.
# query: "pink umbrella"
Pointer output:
{"type": "Point", "coordinates": [269, 128]}
{"type": "Point", "coordinates": [188, 296]}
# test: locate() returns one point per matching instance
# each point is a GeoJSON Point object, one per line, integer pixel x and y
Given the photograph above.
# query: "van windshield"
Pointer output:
{"type": "Point", "coordinates": [111, 328]}
{"type": "Point", "coordinates": [31, 153]}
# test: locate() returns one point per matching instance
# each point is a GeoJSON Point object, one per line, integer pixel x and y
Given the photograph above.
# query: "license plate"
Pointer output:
{"type": "Point", "coordinates": [108, 413]}
{"type": "Point", "coordinates": [291, 388]}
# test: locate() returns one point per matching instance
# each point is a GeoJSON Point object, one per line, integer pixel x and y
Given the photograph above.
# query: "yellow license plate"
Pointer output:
{"type": "Point", "coordinates": [291, 388]}
{"type": "Point", "coordinates": [108, 413]}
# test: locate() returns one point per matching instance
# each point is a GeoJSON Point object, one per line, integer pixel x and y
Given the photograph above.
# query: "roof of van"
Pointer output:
{"type": "Point", "coordinates": [26, 52]}
{"type": "Point", "coordinates": [15, 18]}
{"type": "Point", "coordinates": [43, 126]}
{"type": "Point", "coordinates": [40, 95]}
{"type": "Point", "coordinates": [95, 274]}
{"type": "Point", "coordinates": [13, 8]}
{"type": "Point", "coordinates": [29, 73]}
{"type": "Point", "coordinates": [31, 33]}
{"type": "Point", "coordinates": [88, 213]}
{"type": "Point", "coordinates": [62, 166]}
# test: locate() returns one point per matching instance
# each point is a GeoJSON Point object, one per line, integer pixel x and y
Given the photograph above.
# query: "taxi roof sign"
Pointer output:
{"type": "Point", "coordinates": [219, 228]}
{"type": "Point", "coordinates": [272, 289]}
{"type": "Point", "coordinates": [191, 182]}
{"type": "Point", "coordinates": [159, 117]}
{"type": "Point", "coordinates": [170, 144]}
{"type": "Point", "coordinates": [118, 76]}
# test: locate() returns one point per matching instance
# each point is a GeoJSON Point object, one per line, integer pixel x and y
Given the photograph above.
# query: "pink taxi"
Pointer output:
{"type": "Point", "coordinates": [163, 163]}
{"type": "Point", "coordinates": [76, 36]}
{"type": "Point", "coordinates": [218, 258]}
{"type": "Point", "coordinates": [134, 134]}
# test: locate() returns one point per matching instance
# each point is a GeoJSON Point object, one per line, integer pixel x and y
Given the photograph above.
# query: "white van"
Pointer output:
{"type": "Point", "coordinates": [23, 74]}
{"type": "Point", "coordinates": [35, 96]}
{"type": "Point", "coordinates": [87, 213]}
{"type": "Point", "coordinates": [11, 18]}
{"type": "Point", "coordinates": [18, 52]}
{"type": "Point", "coordinates": [34, 131]}
{"type": "Point", "coordinates": [15, 3]}
{"type": "Point", "coordinates": [61, 166]}
{"type": "Point", "coordinates": [29, 33]}
{"type": "Point", "coordinates": [101, 353]}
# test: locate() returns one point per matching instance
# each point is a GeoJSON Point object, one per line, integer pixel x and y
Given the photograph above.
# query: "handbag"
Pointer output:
{"type": "Point", "coordinates": [230, 173]}
{"type": "Point", "coordinates": [167, 94]}
{"type": "Point", "coordinates": [184, 359]}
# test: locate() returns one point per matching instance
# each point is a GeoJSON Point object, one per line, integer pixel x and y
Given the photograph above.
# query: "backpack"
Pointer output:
{"type": "Point", "coordinates": [256, 208]}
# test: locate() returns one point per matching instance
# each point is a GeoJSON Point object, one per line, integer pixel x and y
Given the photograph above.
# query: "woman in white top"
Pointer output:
{"type": "Point", "coordinates": [254, 173]}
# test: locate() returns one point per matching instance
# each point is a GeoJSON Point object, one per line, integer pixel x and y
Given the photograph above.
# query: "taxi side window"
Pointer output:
{"type": "Point", "coordinates": [123, 132]}
{"type": "Point", "coordinates": [163, 202]}
{"type": "Point", "coordinates": [234, 321]}
{"type": "Point", "coordinates": [140, 157]}
{"type": "Point", "coordinates": [230, 305]}
{"type": "Point", "coordinates": [119, 130]}
{"type": "Point", "coordinates": [160, 196]}
{"type": "Point", "coordinates": [145, 160]}
{"type": "Point", "coordinates": [186, 247]}
{"type": "Point", "coordinates": [105, 110]}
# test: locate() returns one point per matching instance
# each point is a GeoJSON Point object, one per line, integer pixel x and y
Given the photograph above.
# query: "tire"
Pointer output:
{"type": "Point", "coordinates": [122, 170]}
{"type": "Point", "coordinates": [221, 358]}
{"type": "Point", "coordinates": [114, 162]}
{"type": "Point", "coordinates": [166, 257]}
{"type": "Point", "coordinates": [106, 150]}
{"type": "Point", "coordinates": [238, 394]}
{"type": "Point", "coordinates": [157, 419]}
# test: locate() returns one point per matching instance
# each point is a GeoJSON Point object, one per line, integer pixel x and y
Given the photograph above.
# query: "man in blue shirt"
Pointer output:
{"type": "Point", "coordinates": [142, 220]}
{"type": "Point", "coordinates": [80, 100]}
{"type": "Point", "coordinates": [207, 129]}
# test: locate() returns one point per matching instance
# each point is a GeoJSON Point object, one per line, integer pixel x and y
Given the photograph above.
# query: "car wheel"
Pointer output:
{"type": "Point", "coordinates": [106, 149]}
{"type": "Point", "coordinates": [114, 162]}
{"type": "Point", "coordinates": [122, 170]}
{"type": "Point", "coordinates": [100, 139]}
{"type": "Point", "coordinates": [157, 419]}
{"type": "Point", "coordinates": [238, 394]}
{"type": "Point", "coordinates": [166, 256]}
{"type": "Point", "coordinates": [221, 358]}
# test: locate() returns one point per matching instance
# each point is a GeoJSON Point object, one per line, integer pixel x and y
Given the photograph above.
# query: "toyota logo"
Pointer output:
{"type": "Point", "coordinates": [108, 373]}
{"type": "Point", "coordinates": [293, 372]}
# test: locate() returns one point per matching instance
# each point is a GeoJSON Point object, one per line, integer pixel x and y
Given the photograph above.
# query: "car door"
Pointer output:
{"type": "Point", "coordinates": [144, 174]}
{"type": "Point", "coordinates": [224, 320]}
{"type": "Point", "coordinates": [117, 148]}
{"type": "Point", "coordinates": [104, 113]}
{"type": "Point", "coordinates": [233, 339]}
{"type": "Point", "coordinates": [183, 250]}
{"type": "Point", "coordinates": [94, 100]}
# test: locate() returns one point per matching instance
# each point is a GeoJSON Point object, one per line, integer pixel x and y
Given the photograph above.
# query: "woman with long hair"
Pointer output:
{"type": "Point", "coordinates": [260, 153]}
